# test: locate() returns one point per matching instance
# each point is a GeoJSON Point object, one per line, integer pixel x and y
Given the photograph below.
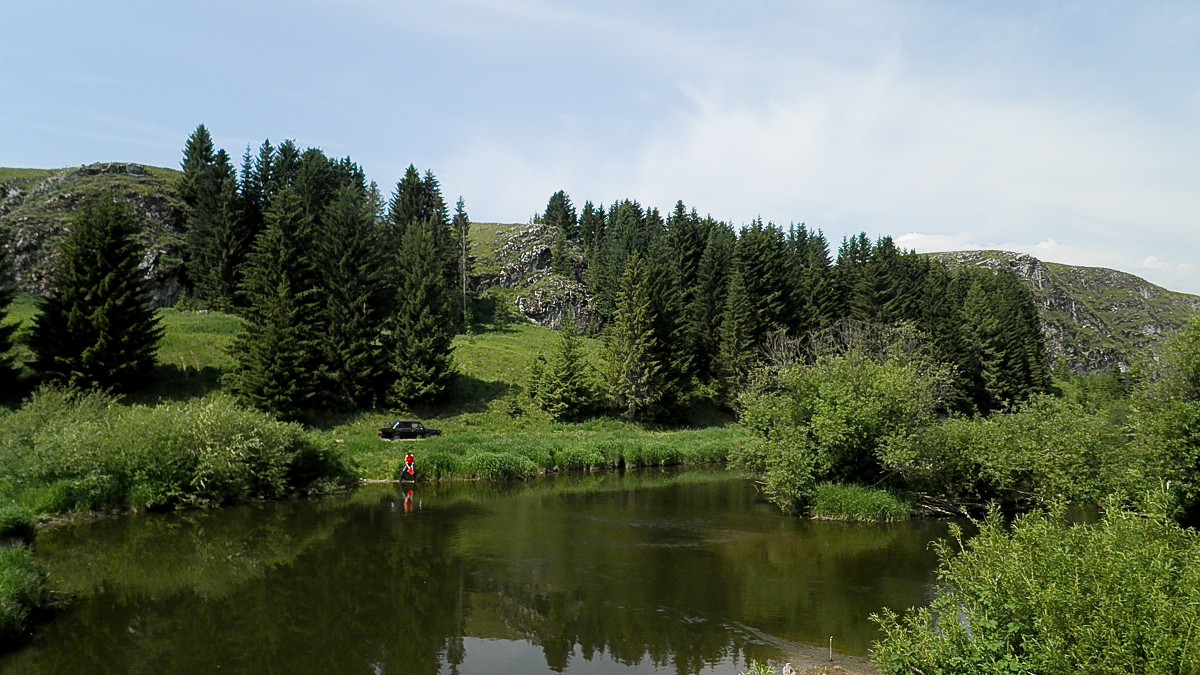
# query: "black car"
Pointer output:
{"type": "Point", "coordinates": [407, 430]}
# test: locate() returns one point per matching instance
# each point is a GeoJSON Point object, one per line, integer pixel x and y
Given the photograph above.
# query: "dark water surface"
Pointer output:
{"type": "Point", "coordinates": [652, 572]}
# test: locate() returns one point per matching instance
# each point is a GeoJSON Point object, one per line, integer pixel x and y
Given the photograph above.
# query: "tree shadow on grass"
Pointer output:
{"type": "Point", "coordinates": [466, 394]}
{"type": "Point", "coordinates": [174, 383]}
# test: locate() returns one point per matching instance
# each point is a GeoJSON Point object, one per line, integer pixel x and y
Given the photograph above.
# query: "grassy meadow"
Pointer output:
{"type": "Point", "coordinates": [490, 429]}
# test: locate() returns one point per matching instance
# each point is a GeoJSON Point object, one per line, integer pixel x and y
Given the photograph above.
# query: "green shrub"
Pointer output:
{"type": "Point", "coordinates": [834, 501]}
{"type": "Point", "coordinates": [17, 522]}
{"type": "Point", "coordinates": [498, 465]}
{"type": "Point", "coordinates": [575, 458]}
{"type": "Point", "coordinates": [1119, 596]}
{"type": "Point", "coordinates": [84, 452]}
{"type": "Point", "coordinates": [23, 592]}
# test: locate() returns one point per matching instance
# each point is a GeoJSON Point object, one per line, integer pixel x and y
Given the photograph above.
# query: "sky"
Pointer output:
{"type": "Point", "coordinates": [1066, 130]}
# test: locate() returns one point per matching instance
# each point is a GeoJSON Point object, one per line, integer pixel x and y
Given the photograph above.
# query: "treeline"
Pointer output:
{"type": "Point", "coordinates": [693, 302]}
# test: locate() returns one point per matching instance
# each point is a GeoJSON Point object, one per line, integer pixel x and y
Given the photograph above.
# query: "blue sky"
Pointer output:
{"type": "Point", "coordinates": [1067, 130]}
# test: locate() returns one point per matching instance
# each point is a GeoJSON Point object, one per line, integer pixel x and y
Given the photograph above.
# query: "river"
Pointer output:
{"type": "Point", "coordinates": [650, 572]}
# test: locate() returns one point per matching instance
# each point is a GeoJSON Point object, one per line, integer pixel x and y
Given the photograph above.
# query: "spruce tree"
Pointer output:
{"type": "Point", "coordinates": [351, 262]}
{"type": "Point", "coordinates": [97, 329]}
{"type": "Point", "coordinates": [422, 325]}
{"type": "Point", "coordinates": [198, 156]}
{"type": "Point", "coordinates": [218, 240]}
{"type": "Point", "coordinates": [564, 386]}
{"type": "Point", "coordinates": [632, 373]}
{"type": "Point", "coordinates": [462, 235]}
{"type": "Point", "coordinates": [285, 165]}
{"type": "Point", "coordinates": [708, 301]}
{"type": "Point", "coordinates": [591, 226]}
{"type": "Point", "coordinates": [560, 215]}
{"type": "Point", "coordinates": [280, 357]}
{"type": "Point", "coordinates": [674, 348]}
{"type": "Point", "coordinates": [738, 349]}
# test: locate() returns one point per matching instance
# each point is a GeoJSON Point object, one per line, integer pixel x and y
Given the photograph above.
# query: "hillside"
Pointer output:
{"type": "Point", "coordinates": [1093, 318]}
{"type": "Point", "coordinates": [36, 206]}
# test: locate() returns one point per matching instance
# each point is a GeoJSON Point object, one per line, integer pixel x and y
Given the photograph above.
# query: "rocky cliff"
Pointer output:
{"type": "Point", "coordinates": [1093, 318]}
{"type": "Point", "coordinates": [36, 208]}
{"type": "Point", "coordinates": [519, 260]}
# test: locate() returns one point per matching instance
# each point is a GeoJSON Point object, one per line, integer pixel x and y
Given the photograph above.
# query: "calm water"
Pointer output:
{"type": "Point", "coordinates": [653, 572]}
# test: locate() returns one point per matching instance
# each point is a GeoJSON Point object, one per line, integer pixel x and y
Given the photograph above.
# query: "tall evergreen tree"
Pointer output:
{"type": "Point", "coordinates": [356, 301]}
{"type": "Point", "coordinates": [462, 235]}
{"type": "Point", "coordinates": [673, 340]}
{"type": "Point", "coordinates": [708, 302]}
{"type": "Point", "coordinates": [820, 285]}
{"type": "Point", "coordinates": [285, 166]}
{"type": "Point", "coordinates": [97, 329]}
{"type": "Point", "coordinates": [632, 372]}
{"type": "Point", "coordinates": [738, 350]}
{"type": "Point", "coordinates": [281, 355]}
{"type": "Point", "coordinates": [766, 270]}
{"type": "Point", "coordinates": [591, 227]}
{"type": "Point", "coordinates": [198, 155]}
{"type": "Point", "coordinates": [218, 239]}
{"type": "Point", "coordinates": [422, 325]}
{"type": "Point", "coordinates": [565, 382]}
{"type": "Point", "coordinates": [560, 215]}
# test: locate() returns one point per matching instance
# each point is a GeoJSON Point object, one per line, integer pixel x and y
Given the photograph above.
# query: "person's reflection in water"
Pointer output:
{"type": "Point", "coordinates": [408, 502]}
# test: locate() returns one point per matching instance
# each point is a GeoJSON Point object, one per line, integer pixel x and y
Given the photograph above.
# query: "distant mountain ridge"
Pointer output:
{"type": "Point", "coordinates": [1093, 318]}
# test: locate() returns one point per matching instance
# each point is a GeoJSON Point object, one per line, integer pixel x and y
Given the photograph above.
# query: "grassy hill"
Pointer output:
{"type": "Point", "coordinates": [36, 205]}
{"type": "Point", "coordinates": [1093, 318]}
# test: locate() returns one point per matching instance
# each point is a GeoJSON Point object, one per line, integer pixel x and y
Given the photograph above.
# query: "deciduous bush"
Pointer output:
{"type": "Point", "coordinates": [830, 420]}
{"type": "Point", "coordinates": [1119, 596]}
{"type": "Point", "coordinates": [67, 451]}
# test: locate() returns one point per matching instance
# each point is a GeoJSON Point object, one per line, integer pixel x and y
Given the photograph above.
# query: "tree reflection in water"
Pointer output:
{"type": "Point", "coordinates": [683, 572]}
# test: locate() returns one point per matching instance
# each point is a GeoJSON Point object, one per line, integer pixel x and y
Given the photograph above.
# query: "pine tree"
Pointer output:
{"type": "Point", "coordinates": [285, 165]}
{"type": "Point", "coordinates": [352, 261]}
{"type": "Point", "coordinates": [591, 227]}
{"type": "Point", "coordinates": [564, 386]}
{"type": "Point", "coordinates": [422, 325]}
{"type": "Point", "coordinates": [218, 240]}
{"type": "Point", "coordinates": [560, 215]}
{"type": "Point", "coordinates": [632, 373]}
{"type": "Point", "coordinates": [673, 340]}
{"type": "Point", "coordinates": [198, 156]}
{"type": "Point", "coordinates": [738, 353]}
{"type": "Point", "coordinates": [820, 284]}
{"type": "Point", "coordinates": [462, 235]}
{"type": "Point", "coordinates": [280, 357]}
{"type": "Point", "coordinates": [97, 330]}
{"type": "Point", "coordinates": [708, 302]}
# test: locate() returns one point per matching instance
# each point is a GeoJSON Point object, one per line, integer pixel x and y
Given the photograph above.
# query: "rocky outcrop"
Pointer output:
{"type": "Point", "coordinates": [1093, 318]}
{"type": "Point", "coordinates": [541, 296]}
{"type": "Point", "coordinates": [36, 211]}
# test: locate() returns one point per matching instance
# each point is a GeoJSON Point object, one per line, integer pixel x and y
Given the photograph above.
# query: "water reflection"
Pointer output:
{"type": "Point", "coordinates": [653, 572]}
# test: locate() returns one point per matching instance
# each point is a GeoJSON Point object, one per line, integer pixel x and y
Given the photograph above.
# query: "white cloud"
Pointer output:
{"type": "Point", "coordinates": [1151, 262]}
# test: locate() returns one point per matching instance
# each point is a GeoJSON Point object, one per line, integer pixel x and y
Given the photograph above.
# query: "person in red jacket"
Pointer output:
{"type": "Point", "coordinates": [410, 464]}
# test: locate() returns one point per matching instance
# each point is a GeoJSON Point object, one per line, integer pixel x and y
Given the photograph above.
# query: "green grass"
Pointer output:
{"type": "Point", "coordinates": [486, 239]}
{"type": "Point", "coordinates": [833, 501]}
{"type": "Point", "coordinates": [485, 411]}
{"type": "Point", "coordinates": [23, 592]}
